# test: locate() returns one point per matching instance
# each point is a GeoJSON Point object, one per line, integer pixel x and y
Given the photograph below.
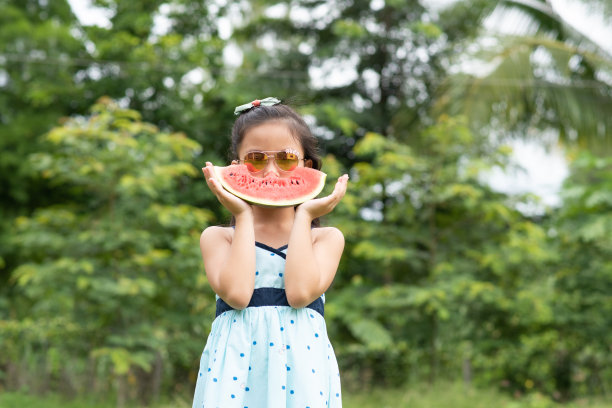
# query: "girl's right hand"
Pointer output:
{"type": "Point", "coordinates": [235, 205]}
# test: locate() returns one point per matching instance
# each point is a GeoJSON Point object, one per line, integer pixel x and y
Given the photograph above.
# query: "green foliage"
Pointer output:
{"type": "Point", "coordinates": [547, 75]}
{"type": "Point", "coordinates": [101, 283]}
{"type": "Point", "coordinates": [440, 269]}
{"type": "Point", "coordinates": [112, 278]}
{"type": "Point", "coordinates": [583, 282]}
{"type": "Point", "coordinates": [365, 60]}
{"type": "Point", "coordinates": [34, 91]}
{"type": "Point", "coordinates": [52, 67]}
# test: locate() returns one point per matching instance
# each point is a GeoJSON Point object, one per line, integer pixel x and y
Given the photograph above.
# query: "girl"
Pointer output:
{"type": "Point", "coordinates": [268, 346]}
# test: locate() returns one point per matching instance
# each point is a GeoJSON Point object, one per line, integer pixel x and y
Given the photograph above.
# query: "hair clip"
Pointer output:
{"type": "Point", "coordinates": [264, 102]}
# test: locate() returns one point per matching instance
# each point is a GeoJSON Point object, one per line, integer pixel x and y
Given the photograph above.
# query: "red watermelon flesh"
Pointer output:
{"type": "Point", "coordinates": [302, 184]}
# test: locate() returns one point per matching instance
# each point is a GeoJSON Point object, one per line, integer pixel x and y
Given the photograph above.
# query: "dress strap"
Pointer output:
{"type": "Point", "coordinates": [269, 297]}
{"type": "Point", "coordinates": [277, 251]}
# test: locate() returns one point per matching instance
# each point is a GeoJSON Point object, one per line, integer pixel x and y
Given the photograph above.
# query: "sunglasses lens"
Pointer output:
{"type": "Point", "coordinates": [256, 161]}
{"type": "Point", "coordinates": [286, 161]}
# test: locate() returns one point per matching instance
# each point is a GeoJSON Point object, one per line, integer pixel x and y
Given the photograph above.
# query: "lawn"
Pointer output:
{"type": "Point", "coordinates": [416, 396]}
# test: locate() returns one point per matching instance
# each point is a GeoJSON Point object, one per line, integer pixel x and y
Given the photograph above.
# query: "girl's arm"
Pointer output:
{"type": "Point", "coordinates": [311, 264]}
{"type": "Point", "coordinates": [230, 260]}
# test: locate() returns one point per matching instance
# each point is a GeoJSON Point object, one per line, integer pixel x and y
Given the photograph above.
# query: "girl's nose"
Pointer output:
{"type": "Point", "coordinates": [271, 168]}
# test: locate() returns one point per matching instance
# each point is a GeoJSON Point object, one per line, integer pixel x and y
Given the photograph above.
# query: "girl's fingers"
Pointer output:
{"type": "Point", "coordinates": [212, 183]}
{"type": "Point", "coordinates": [340, 188]}
{"type": "Point", "coordinates": [219, 190]}
{"type": "Point", "coordinates": [227, 200]}
{"type": "Point", "coordinates": [324, 205]}
{"type": "Point", "coordinates": [207, 172]}
{"type": "Point", "coordinates": [208, 169]}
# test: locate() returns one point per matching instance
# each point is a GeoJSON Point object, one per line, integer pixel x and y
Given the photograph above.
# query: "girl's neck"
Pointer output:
{"type": "Point", "coordinates": [273, 224]}
{"type": "Point", "coordinates": [279, 217]}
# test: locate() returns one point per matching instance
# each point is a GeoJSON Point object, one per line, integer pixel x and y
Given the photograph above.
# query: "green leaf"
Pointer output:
{"type": "Point", "coordinates": [371, 333]}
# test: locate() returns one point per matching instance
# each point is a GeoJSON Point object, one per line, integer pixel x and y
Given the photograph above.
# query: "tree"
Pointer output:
{"type": "Point", "coordinates": [52, 67]}
{"type": "Point", "coordinates": [37, 83]}
{"type": "Point", "coordinates": [435, 261]}
{"type": "Point", "coordinates": [109, 287]}
{"type": "Point", "coordinates": [583, 279]}
{"type": "Point", "coordinates": [359, 66]}
{"type": "Point", "coordinates": [546, 76]}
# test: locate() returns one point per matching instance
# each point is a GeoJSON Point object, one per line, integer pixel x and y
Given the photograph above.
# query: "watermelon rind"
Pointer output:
{"type": "Point", "coordinates": [314, 190]}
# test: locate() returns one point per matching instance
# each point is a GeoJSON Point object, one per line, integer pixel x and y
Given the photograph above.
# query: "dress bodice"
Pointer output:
{"type": "Point", "coordinates": [269, 286]}
{"type": "Point", "coordinates": [269, 266]}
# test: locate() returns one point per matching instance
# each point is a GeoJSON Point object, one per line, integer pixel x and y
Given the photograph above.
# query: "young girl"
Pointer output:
{"type": "Point", "coordinates": [268, 346]}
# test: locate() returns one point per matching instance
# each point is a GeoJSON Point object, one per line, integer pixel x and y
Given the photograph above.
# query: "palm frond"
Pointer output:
{"type": "Point", "coordinates": [547, 75]}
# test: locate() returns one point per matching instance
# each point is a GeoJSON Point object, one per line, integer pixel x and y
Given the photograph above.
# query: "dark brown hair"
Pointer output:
{"type": "Point", "coordinates": [277, 113]}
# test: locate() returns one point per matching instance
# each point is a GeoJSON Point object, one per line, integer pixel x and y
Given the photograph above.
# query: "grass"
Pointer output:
{"type": "Point", "coordinates": [441, 395]}
{"type": "Point", "coordinates": [18, 400]}
{"type": "Point", "coordinates": [455, 395]}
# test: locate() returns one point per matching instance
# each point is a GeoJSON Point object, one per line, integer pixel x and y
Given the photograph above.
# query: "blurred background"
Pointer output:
{"type": "Point", "coordinates": [478, 222]}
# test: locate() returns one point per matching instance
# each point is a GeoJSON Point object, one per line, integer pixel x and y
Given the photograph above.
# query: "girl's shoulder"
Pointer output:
{"type": "Point", "coordinates": [216, 234]}
{"type": "Point", "coordinates": [327, 234]}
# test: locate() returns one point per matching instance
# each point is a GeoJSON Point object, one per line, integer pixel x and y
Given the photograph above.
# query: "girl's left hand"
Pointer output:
{"type": "Point", "coordinates": [320, 206]}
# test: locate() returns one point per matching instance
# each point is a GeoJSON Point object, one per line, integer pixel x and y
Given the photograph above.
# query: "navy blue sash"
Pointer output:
{"type": "Point", "coordinates": [269, 297]}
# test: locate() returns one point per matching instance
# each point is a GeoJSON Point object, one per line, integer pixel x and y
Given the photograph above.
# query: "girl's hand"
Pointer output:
{"type": "Point", "coordinates": [321, 206]}
{"type": "Point", "coordinates": [235, 205]}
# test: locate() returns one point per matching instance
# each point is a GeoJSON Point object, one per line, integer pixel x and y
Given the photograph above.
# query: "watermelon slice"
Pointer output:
{"type": "Point", "coordinates": [301, 185]}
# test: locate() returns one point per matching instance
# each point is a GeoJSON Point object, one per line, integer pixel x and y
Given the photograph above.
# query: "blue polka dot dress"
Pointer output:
{"type": "Point", "coordinates": [268, 354]}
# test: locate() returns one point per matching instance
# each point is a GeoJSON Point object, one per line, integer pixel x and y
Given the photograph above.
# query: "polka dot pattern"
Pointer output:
{"type": "Point", "coordinates": [268, 356]}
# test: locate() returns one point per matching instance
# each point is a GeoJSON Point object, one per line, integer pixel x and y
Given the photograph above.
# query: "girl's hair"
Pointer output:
{"type": "Point", "coordinates": [277, 113]}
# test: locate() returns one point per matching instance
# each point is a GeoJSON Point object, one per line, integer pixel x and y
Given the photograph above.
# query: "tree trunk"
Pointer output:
{"type": "Point", "coordinates": [12, 372]}
{"type": "Point", "coordinates": [467, 371]}
{"type": "Point", "coordinates": [158, 371]}
{"type": "Point", "coordinates": [122, 389]}
{"type": "Point", "coordinates": [433, 361]}
{"type": "Point", "coordinates": [68, 385]}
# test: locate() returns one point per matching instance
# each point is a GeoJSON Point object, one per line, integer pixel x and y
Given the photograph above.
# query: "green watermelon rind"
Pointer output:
{"type": "Point", "coordinates": [266, 202]}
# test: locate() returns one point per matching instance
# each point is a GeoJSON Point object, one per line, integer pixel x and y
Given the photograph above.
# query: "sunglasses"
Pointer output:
{"type": "Point", "coordinates": [284, 160]}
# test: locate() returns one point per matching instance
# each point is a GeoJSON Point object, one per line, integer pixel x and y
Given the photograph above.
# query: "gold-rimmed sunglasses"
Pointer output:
{"type": "Point", "coordinates": [285, 160]}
